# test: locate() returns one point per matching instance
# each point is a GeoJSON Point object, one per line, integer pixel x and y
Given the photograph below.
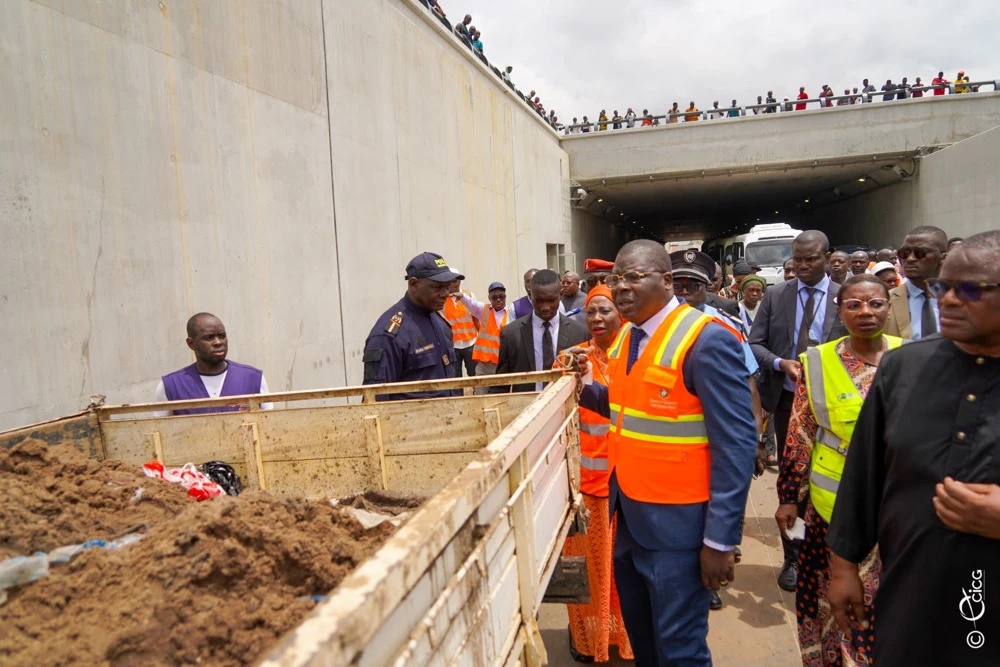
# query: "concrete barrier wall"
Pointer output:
{"type": "Point", "coordinates": [956, 189]}
{"type": "Point", "coordinates": [159, 160]}
{"type": "Point", "coordinates": [165, 158]}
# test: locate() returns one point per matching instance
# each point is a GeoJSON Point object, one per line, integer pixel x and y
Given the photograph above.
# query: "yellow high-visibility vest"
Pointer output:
{"type": "Point", "coordinates": [835, 403]}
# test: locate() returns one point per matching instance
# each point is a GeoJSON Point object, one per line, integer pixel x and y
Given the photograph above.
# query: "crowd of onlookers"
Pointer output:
{"type": "Point", "coordinates": [473, 39]}
{"type": "Point", "coordinates": [867, 92]}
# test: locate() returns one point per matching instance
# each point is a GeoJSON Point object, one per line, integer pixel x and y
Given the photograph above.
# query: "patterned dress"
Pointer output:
{"type": "Point", "coordinates": [820, 640]}
{"type": "Point", "coordinates": [597, 625]}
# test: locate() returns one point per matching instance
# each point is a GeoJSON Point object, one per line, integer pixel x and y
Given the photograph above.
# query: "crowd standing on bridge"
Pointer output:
{"type": "Point", "coordinates": [939, 85]}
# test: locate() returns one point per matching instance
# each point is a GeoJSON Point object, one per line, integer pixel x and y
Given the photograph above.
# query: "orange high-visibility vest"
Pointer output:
{"type": "Point", "coordinates": [594, 472]}
{"type": "Point", "coordinates": [463, 328]}
{"type": "Point", "coordinates": [487, 348]}
{"type": "Point", "coordinates": [658, 443]}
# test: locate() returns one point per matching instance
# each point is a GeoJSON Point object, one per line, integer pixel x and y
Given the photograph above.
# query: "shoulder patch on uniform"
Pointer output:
{"type": "Point", "coordinates": [372, 355]}
{"type": "Point", "coordinates": [395, 322]}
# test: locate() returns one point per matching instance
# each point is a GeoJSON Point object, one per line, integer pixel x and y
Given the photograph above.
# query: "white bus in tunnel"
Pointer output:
{"type": "Point", "coordinates": [767, 246]}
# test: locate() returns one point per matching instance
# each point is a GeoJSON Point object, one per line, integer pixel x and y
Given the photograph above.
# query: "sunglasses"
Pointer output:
{"type": "Point", "coordinates": [966, 291]}
{"type": "Point", "coordinates": [918, 252]}
{"type": "Point", "coordinates": [854, 305]}
{"type": "Point", "coordinates": [631, 277]}
{"type": "Point", "coordinates": [498, 297]}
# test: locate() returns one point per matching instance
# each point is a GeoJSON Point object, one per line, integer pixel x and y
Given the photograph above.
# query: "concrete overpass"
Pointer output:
{"type": "Point", "coordinates": [717, 177]}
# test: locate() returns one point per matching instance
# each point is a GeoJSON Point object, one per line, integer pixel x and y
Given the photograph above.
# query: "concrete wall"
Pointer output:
{"type": "Point", "coordinates": [274, 162]}
{"type": "Point", "coordinates": [784, 138]}
{"type": "Point", "coordinates": [594, 238]}
{"type": "Point", "coordinates": [956, 189]}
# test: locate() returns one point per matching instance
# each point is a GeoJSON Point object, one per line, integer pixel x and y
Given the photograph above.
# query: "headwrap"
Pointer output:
{"type": "Point", "coordinates": [605, 291]}
{"type": "Point", "coordinates": [742, 268]}
{"type": "Point", "coordinates": [752, 278]}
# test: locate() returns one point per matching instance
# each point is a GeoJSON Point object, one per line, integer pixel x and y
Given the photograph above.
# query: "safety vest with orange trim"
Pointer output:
{"type": "Point", "coordinates": [463, 327]}
{"type": "Point", "coordinates": [658, 443]}
{"type": "Point", "coordinates": [594, 471]}
{"type": "Point", "coordinates": [487, 348]}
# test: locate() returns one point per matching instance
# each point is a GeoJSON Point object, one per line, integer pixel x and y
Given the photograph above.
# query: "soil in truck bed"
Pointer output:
{"type": "Point", "coordinates": [216, 582]}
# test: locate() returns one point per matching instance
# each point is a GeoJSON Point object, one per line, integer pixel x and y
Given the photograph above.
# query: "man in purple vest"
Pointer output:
{"type": "Point", "coordinates": [211, 375]}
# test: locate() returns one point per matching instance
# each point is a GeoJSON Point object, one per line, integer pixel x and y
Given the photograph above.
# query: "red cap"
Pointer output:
{"type": "Point", "coordinates": [597, 265]}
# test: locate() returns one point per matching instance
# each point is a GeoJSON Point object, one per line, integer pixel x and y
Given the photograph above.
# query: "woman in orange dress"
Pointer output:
{"type": "Point", "coordinates": [597, 625]}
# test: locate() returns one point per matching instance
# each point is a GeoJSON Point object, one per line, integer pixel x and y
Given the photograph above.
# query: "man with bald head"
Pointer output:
{"type": "Point", "coordinates": [922, 478]}
{"type": "Point", "coordinates": [794, 316]}
{"type": "Point", "coordinates": [859, 262]}
{"type": "Point", "coordinates": [571, 296]}
{"type": "Point", "coordinates": [523, 306]}
{"type": "Point", "coordinates": [211, 375]}
{"type": "Point", "coordinates": [681, 452]}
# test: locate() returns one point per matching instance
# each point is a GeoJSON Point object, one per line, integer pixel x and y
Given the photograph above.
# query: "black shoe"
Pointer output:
{"type": "Point", "coordinates": [737, 554]}
{"type": "Point", "coordinates": [714, 601]}
{"type": "Point", "coordinates": [789, 576]}
{"type": "Point", "coordinates": [576, 655]}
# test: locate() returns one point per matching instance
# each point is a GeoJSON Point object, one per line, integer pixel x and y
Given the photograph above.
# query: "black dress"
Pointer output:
{"type": "Point", "coordinates": [933, 411]}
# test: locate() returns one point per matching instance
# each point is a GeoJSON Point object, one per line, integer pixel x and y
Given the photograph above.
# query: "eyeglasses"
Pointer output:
{"type": "Point", "coordinates": [854, 305]}
{"type": "Point", "coordinates": [965, 290]}
{"type": "Point", "coordinates": [688, 286]}
{"type": "Point", "coordinates": [918, 252]}
{"type": "Point", "coordinates": [498, 297]}
{"type": "Point", "coordinates": [632, 277]}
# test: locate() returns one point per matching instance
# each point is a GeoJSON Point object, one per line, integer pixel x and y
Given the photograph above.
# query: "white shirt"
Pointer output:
{"type": "Point", "coordinates": [470, 302]}
{"type": "Point", "coordinates": [537, 331]}
{"type": "Point", "coordinates": [213, 385]}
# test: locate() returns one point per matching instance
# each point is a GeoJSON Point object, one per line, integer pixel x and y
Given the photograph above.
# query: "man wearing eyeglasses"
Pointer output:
{"type": "Point", "coordinates": [492, 318]}
{"type": "Point", "coordinates": [794, 316]}
{"type": "Point", "coordinates": [595, 271]}
{"type": "Point", "coordinates": [913, 310]}
{"type": "Point", "coordinates": [681, 452]}
{"type": "Point", "coordinates": [922, 480]}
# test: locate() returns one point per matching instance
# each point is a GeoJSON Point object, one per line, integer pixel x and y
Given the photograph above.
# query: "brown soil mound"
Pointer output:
{"type": "Point", "coordinates": [218, 583]}
{"type": "Point", "coordinates": [56, 496]}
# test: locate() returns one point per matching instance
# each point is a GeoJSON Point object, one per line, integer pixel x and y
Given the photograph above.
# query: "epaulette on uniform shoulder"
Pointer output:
{"type": "Point", "coordinates": [395, 322]}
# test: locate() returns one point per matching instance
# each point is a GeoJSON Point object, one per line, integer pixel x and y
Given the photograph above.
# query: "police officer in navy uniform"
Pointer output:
{"type": "Point", "coordinates": [412, 341]}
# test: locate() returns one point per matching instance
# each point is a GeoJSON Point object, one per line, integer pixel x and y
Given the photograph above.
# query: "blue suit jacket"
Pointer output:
{"type": "Point", "coordinates": [732, 441]}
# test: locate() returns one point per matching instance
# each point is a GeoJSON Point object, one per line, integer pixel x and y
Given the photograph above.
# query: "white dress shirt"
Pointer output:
{"type": "Point", "coordinates": [537, 331]}
{"type": "Point", "coordinates": [476, 307]}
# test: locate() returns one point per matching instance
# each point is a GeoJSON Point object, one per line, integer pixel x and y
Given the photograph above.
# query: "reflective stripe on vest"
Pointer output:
{"type": "Point", "coordinates": [593, 464]}
{"type": "Point", "coordinates": [658, 443]}
{"type": "Point", "coordinates": [594, 470]}
{"type": "Point", "coordinates": [835, 403]}
{"type": "Point", "coordinates": [487, 347]}
{"type": "Point", "coordinates": [463, 327]}
{"type": "Point", "coordinates": [597, 430]}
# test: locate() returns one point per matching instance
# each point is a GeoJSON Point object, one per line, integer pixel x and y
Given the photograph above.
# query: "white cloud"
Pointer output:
{"type": "Point", "coordinates": [583, 55]}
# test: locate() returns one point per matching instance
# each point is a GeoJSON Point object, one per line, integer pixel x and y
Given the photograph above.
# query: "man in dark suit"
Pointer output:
{"type": "Point", "coordinates": [794, 316]}
{"type": "Point", "coordinates": [532, 342]}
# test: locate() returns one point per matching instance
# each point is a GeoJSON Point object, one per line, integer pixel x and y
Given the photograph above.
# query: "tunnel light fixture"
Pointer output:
{"type": "Point", "coordinates": [862, 179]}
{"type": "Point", "coordinates": [600, 200]}
{"type": "Point", "coordinates": [776, 213]}
{"type": "Point", "coordinates": [622, 214]}
{"type": "Point", "coordinates": [806, 201]}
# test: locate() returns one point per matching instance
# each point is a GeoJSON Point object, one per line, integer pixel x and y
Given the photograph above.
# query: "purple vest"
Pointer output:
{"type": "Point", "coordinates": [186, 384]}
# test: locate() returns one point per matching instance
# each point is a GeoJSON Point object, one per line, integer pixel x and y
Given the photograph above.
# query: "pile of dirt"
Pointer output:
{"type": "Point", "coordinates": [217, 583]}
{"type": "Point", "coordinates": [55, 496]}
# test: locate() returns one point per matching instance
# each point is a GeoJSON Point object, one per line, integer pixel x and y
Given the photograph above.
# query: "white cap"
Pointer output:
{"type": "Point", "coordinates": [882, 266]}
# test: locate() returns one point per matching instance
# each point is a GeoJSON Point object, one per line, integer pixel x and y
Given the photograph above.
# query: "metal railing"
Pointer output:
{"type": "Point", "coordinates": [779, 107]}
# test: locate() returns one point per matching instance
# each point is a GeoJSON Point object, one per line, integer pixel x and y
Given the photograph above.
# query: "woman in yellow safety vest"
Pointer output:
{"type": "Point", "coordinates": [835, 379]}
{"type": "Point", "coordinates": [597, 625]}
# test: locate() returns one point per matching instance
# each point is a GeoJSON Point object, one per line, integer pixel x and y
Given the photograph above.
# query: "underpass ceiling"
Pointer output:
{"type": "Point", "coordinates": [695, 206]}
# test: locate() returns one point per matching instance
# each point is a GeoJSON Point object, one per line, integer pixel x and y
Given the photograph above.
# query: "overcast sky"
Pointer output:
{"type": "Point", "coordinates": [584, 55]}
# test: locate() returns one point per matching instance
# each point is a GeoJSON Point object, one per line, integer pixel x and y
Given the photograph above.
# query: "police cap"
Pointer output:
{"type": "Point", "coordinates": [432, 266]}
{"type": "Point", "coordinates": [692, 264]}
